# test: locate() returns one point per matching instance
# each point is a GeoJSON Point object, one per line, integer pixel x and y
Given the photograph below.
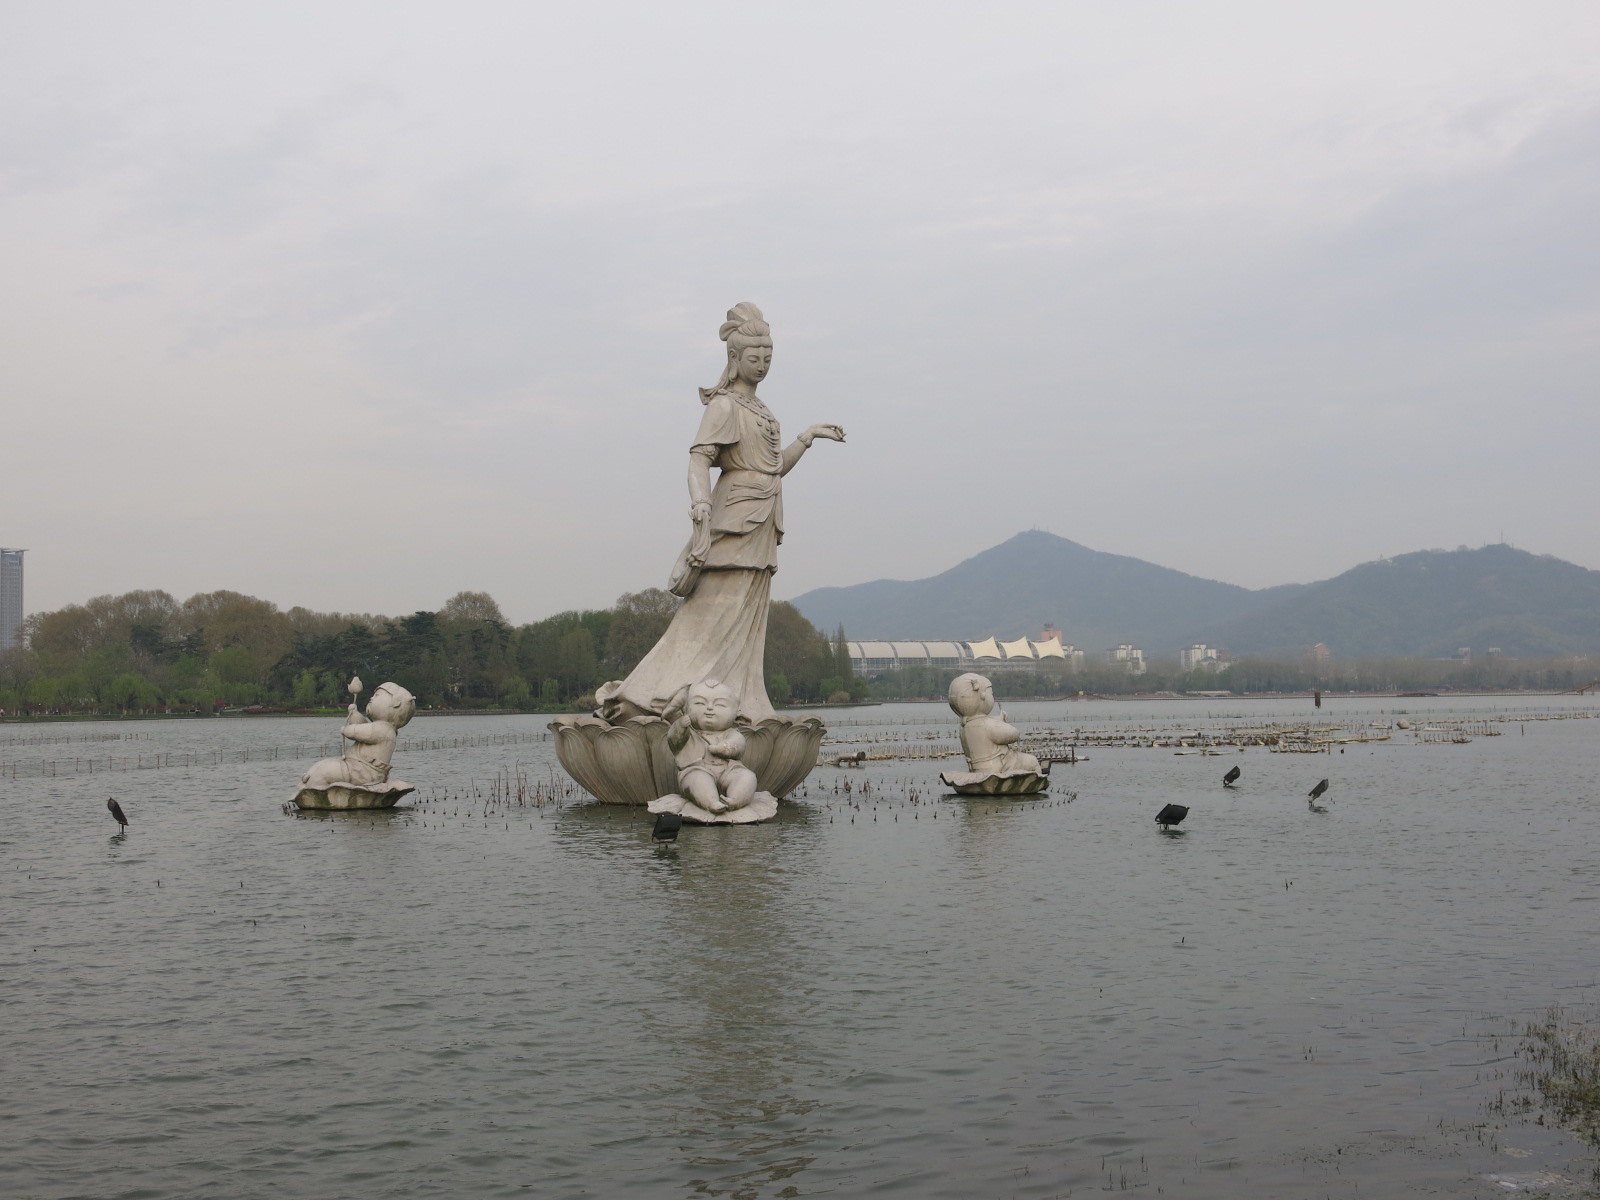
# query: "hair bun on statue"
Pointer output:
{"type": "Point", "coordinates": [745, 319]}
{"type": "Point", "coordinates": [745, 327]}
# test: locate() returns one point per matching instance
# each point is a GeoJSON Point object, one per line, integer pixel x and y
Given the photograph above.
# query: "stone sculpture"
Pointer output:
{"type": "Point", "coordinates": [714, 785]}
{"type": "Point", "coordinates": [724, 575]}
{"type": "Point", "coordinates": [994, 768]}
{"type": "Point", "coordinates": [361, 778]}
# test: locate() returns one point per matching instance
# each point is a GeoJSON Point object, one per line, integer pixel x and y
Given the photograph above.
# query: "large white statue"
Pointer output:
{"type": "Point", "coordinates": [360, 779]}
{"type": "Point", "coordinates": [994, 766]}
{"type": "Point", "coordinates": [714, 786]}
{"type": "Point", "coordinates": [725, 572]}
{"type": "Point", "coordinates": [725, 578]}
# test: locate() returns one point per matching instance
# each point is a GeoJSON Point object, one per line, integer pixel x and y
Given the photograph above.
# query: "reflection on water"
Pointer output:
{"type": "Point", "coordinates": [729, 980]}
{"type": "Point", "coordinates": [886, 990]}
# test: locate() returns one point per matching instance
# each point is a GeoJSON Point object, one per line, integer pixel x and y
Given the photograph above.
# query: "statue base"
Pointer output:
{"type": "Point", "coordinates": [1011, 783]}
{"type": "Point", "coordinates": [631, 763]}
{"type": "Point", "coordinates": [763, 807]}
{"type": "Point", "coordinates": [353, 795]}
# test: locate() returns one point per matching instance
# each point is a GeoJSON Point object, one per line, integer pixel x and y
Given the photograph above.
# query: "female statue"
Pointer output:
{"type": "Point", "coordinates": [725, 572]}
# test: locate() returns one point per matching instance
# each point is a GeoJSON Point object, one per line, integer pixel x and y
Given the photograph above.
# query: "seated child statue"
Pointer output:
{"type": "Point", "coordinates": [993, 766]}
{"type": "Point", "coordinates": [366, 763]}
{"type": "Point", "coordinates": [715, 786]}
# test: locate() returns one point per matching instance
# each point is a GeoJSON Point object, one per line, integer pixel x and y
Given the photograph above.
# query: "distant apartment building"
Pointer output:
{"type": "Point", "coordinates": [11, 610]}
{"type": "Point", "coordinates": [1129, 656]}
{"type": "Point", "coordinates": [1320, 653]}
{"type": "Point", "coordinates": [1195, 656]}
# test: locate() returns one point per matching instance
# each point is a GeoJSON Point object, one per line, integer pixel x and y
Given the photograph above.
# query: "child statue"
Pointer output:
{"type": "Point", "coordinates": [994, 768]}
{"type": "Point", "coordinates": [360, 779]}
{"type": "Point", "coordinates": [715, 786]}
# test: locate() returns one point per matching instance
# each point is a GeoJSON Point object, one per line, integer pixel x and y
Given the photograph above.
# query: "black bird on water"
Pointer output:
{"type": "Point", "coordinates": [667, 826]}
{"type": "Point", "coordinates": [1231, 777]}
{"type": "Point", "coordinates": [1314, 795]}
{"type": "Point", "coordinates": [116, 811]}
{"type": "Point", "coordinates": [1171, 814]}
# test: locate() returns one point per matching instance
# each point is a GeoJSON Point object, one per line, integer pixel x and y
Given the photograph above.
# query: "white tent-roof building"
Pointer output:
{"type": "Point", "coordinates": [874, 658]}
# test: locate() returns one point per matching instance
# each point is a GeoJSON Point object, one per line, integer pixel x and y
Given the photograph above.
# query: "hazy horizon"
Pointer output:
{"type": "Point", "coordinates": [355, 306]}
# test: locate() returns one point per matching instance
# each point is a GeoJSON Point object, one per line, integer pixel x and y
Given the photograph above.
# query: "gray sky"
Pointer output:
{"type": "Point", "coordinates": [358, 305]}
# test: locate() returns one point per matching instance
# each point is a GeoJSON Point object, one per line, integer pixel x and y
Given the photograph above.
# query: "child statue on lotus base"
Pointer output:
{"type": "Point", "coordinates": [716, 787]}
{"type": "Point", "coordinates": [994, 768]}
{"type": "Point", "coordinates": [361, 778]}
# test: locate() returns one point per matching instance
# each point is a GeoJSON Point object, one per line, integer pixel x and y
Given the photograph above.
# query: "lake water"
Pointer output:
{"type": "Point", "coordinates": [885, 991]}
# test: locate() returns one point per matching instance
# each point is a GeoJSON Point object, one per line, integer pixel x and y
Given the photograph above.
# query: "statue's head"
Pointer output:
{"type": "Point", "coordinates": [970, 695]}
{"type": "Point", "coordinates": [749, 339]}
{"type": "Point", "coordinates": [392, 703]}
{"type": "Point", "coordinates": [712, 706]}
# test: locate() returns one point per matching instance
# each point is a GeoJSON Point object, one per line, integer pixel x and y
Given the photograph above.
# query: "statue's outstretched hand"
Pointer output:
{"type": "Point", "coordinates": [833, 433]}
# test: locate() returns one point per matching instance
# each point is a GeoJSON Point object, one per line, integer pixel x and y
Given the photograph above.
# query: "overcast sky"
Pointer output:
{"type": "Point", "coordinates": [357, 305]}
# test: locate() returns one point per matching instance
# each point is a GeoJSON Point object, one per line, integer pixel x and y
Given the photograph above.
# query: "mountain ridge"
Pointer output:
{"type": "Point", "coordinates": [1425, 603]}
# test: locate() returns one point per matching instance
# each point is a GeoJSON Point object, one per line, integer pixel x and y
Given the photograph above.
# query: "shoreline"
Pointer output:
{"type": "Point", "coordinates": [1130, 698]}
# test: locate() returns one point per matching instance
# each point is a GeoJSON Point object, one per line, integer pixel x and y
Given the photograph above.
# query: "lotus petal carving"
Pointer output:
{"type": "Point", "coordinates": [619, 764]}
{"type": "Point", "coordinates": [630, 763]}
{"type": "Point", "coordinates": [762, 808]}
{"type": "Point", "coordinates": [1011, 783]}
{"type": "Point", "coordinates": [353, 795]}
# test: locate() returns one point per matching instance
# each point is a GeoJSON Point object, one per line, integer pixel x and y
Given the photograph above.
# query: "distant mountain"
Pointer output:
{"type": "Point", "coordinates": [1427, 604]}
{"type": "Point", "coordinates": [1430, 603]}
{"type": "Point", "coordinates": [1015, 588]}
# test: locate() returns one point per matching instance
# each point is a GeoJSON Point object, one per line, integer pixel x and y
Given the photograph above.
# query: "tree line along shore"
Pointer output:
{"type": "Point", "coordinates": [145, 652]}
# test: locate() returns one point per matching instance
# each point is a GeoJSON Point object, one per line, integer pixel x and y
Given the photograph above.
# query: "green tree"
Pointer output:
{"type": "Point", "coordinates": [637, 623]}
{"type": "Point", "coordinates": [471, 608]}
{"type": "Point", "coordinates": [797, 650]}
{"type": "Point", "coordinates": [575, 662]}
{"type": "Point", "coordinates": [130, 692]}
{"type": "Point", "coordinates": [305, 689]}
{"type": "Point", "coordinates": [778, 690]}
{"type": "Point", "coordinates": [238, 667]}
{"type": "Point", "coordinates": [516, 692]}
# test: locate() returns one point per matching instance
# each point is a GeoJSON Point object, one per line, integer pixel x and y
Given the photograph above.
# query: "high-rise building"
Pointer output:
{"type": "Point", "coordinates": [10, 599]}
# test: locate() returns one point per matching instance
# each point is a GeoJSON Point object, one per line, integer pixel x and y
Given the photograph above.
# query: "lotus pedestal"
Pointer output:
{"type": "Point", "coordinates": [630, 763]}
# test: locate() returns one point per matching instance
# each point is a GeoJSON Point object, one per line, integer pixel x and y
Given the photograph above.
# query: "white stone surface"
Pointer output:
{"type": "Point", "coordinates": [994, 766]}
{"type": "Point", "coordinates": [360, 779]}
{"type": "Point", "coordinates": [714, 785]}
{"type": "Point", "coordinates": [725, 571]}
{"type": "Point", "coordinates": [353, 795]}
{"type": "Point", "coordinates": [631, 763]}
{"type": "Point", "coordinates": [762, 807]}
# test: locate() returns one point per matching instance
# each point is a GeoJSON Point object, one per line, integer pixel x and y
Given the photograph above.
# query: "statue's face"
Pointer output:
{"type": "Point", "coordinates": [753, 363]}
{"type": "Point", "coordinates": [712, 709]}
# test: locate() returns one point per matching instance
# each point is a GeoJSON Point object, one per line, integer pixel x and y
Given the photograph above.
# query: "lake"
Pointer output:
{"type": "Point", "coordinates": [505, 989]}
